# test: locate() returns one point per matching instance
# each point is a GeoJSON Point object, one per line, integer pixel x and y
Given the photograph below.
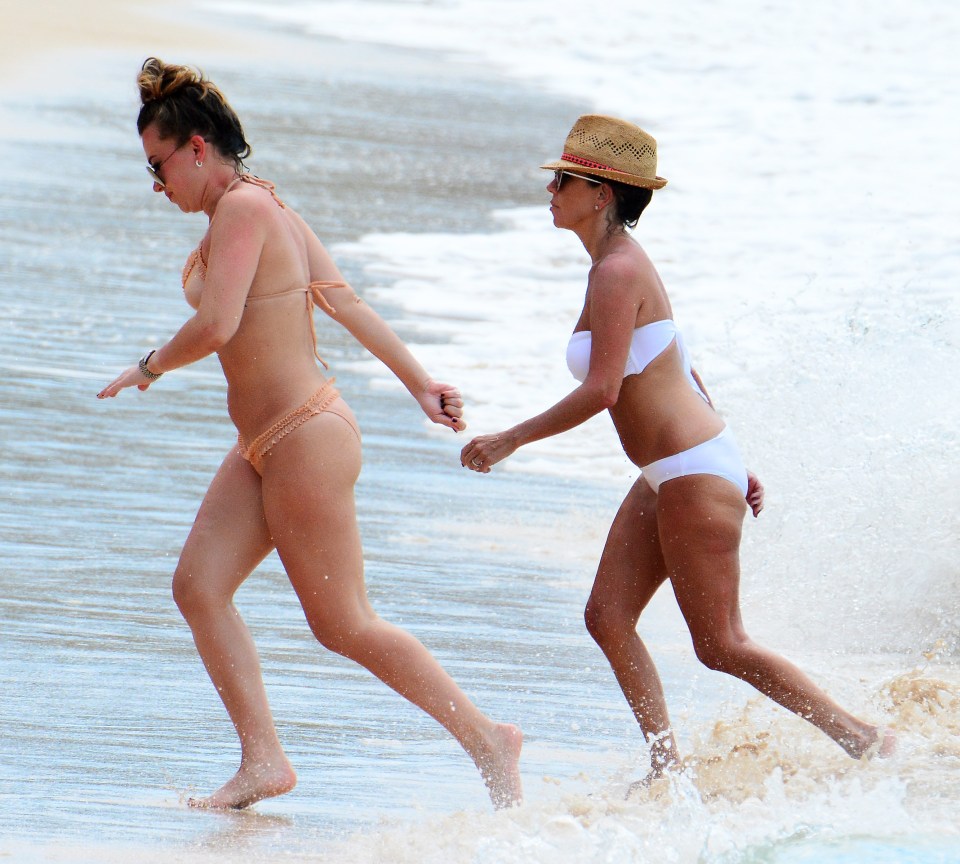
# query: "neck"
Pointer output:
{"type": "Point", "coordinates": [599, 237]}
{"type": "Point", "coordinates": [217, 185]}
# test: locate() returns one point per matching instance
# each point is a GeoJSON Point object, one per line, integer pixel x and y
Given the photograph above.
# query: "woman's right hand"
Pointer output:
{"type": "Point", "coordinates": [484, 451]}
{"type": "Point", "coordinates": [131, 377]}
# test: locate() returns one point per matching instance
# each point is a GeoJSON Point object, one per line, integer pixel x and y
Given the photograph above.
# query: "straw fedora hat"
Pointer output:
{"type": "Point", "coordinates": [613, 149]}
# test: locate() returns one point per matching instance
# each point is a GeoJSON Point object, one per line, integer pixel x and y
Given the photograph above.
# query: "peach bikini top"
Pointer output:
{"type": "Point", "coordinates": [195, 273]}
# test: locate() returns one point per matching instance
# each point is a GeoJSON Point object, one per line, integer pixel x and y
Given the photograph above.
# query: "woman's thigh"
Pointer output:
{"type": "Point", "coordinates": [229, 537]}
{"type": "Point", "coordinates": [308, 497]}
{"type": "Point", "coordinates": [700, 520]}
{"type": "Point", "coordinates": [631, 567]}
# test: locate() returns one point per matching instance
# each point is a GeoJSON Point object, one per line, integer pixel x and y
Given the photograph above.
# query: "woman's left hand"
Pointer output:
{"type": "Point", "coordinates": [131, 377]}
{"type": "Point", "coordinates": [484, 451]}
{"type": "Point", "coordinates": [754, 493]}
{"type": "Point", "coordinates": [443, 404]}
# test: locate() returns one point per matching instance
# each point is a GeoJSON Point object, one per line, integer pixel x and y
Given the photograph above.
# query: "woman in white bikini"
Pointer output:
{"type": "Point", "coordinates": [288, 484]}
{"type": "Point", "coordinates": [682, 519]}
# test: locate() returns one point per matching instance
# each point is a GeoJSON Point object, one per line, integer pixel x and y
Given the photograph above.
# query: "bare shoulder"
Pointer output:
{"type": "Point", "coordinates": [246, 200]}
{"type": "Point", "coordinates": [247, 213]}
{"type": "Point", "coordinates": [627, 279]}
{"type": "Point", "coordinates": [625, 261]}
{"type": "Point", "coordinates": [625, 268]}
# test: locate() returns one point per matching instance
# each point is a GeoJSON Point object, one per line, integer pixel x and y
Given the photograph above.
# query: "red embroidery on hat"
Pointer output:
{"type": "Point", "coordinates": [569, 157]}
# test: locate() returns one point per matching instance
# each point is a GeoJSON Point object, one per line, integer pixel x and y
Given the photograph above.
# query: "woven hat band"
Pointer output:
{"type": "Point", "coordinates": [586, 163]}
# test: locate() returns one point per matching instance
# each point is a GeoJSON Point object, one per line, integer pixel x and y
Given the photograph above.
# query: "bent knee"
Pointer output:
{"type": "Point", "coordinates": [349, 639]}
{"type": "Point", "coordinates": [606, 623]}
{"type": "Point", "coordinates": [724, 654]}
{"type": "Point", "coordinates": [193, 594]}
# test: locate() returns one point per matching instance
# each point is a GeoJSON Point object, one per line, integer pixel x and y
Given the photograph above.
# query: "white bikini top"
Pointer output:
{"type": "Point", "coordinates": [648, 343]}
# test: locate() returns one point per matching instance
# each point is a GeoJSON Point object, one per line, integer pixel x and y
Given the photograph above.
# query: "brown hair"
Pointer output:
{"type": "Point", "coordinates": [630, 202]}
{"type": "Point", "coordinates": [182, 102]}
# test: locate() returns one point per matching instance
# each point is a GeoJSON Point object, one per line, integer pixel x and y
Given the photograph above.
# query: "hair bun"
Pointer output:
{"type": "Point", "coordinates": [158, 80]}
{"type": "Point", "coordinates": [181, 102]}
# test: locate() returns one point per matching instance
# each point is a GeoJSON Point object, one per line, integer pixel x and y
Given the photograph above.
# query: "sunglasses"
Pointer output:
{"type": "Point", "coordinates": [154, 170]}
{"type": "Point", "coordinates": [560, 173]}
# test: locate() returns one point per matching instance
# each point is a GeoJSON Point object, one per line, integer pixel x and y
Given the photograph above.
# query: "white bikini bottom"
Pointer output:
{"type": "Point", "coordinates": [719, 456]}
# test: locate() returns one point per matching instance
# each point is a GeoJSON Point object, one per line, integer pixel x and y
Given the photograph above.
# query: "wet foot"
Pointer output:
{"type": "Point", "coordinates": [672, 766]}
{"type": "Point", "coordinates": [250, 784]}
{"type": "Point", "coordinates": [500, 766]}
{"type": "Point", "coordinates": [883, 746]}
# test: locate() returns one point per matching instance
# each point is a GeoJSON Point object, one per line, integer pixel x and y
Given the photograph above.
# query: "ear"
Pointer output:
{"type": "Point", "coordinates": [604, 195]}
{"type": "Point", "coordinates": [199, 147]}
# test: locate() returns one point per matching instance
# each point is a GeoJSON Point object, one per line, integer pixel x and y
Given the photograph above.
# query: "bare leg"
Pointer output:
{"type": "Point", "coordinates": [229, 538]}
{"type": "Point", "coordinates": [630, 572]}
{"type": "Point", "coordinates": [308, 500]}
{"type": "Point", "coordinates": [700, 520]}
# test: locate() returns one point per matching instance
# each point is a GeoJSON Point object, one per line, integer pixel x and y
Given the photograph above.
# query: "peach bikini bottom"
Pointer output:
{"type": "Point", "coordinates": [326, 399]}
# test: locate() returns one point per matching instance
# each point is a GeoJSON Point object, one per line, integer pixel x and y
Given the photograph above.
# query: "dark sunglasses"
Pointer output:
{"type": "Point", "coordinates": [154, 170]}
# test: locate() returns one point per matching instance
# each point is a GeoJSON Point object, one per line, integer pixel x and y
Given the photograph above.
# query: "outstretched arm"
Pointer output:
{"type": "Point", "coordinates": [484, 451]}
{"type": "Point", "coordinates": [442, 403]}
{"type": "Point", "coordinates": [612, 313]}
{"type": "Point", "coordinates": [236, 241]}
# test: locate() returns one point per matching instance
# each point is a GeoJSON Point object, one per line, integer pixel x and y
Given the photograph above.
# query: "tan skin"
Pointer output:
{"type": "Point", "coordinates": [303, 504]}
{"type": "Point", "coordinates": [690, 532]}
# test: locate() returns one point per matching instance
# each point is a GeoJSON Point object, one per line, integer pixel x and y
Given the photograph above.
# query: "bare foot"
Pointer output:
{"type": "Point", "coordinates": [662, 769]}
{"type": "Point", "coordinates": [871, 742]}
{"type": "Point", "coordinates": [500, 766]}
{"type": "Point", "coordinates": [883, 746]}
{"type": "Point", "coordinates": [252, 783]}
{"type": "Point", "coordinates": [664, 759]}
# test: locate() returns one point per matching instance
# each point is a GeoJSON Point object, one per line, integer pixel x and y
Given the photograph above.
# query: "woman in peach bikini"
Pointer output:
{"type": "Point", "coordinates": [288, 484]}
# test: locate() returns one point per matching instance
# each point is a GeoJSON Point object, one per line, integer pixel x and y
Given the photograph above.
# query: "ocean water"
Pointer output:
{"type": "Point", "coordinates": [808, 238]}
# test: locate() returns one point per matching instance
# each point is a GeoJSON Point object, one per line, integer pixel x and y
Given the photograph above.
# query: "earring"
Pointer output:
{"type": "Point", "coordinates": [199, 164]}
{"type": "Point", "coordinates": [596, 206]}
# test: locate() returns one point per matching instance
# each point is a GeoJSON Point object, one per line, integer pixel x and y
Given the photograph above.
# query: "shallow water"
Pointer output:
{"type": "Point", "coordinates": [113, 720]}
{"type": "Point", "coordinates": [826, 329]}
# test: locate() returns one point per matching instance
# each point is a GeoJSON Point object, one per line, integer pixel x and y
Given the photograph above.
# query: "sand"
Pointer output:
{"type": "Point", "coordinates": [45, 41]}
{"type": "Point", "coordinates": [35, 36]}
{"type": "Point", "coordinates": [54, 51]}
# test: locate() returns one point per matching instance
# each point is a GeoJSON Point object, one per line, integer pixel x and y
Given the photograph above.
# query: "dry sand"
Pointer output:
{"type": "Point", "coordinates": [36, 36]}
{"type": "Point", "coordinates": [51, 50]}
{"type": "Point", "coordinates": [46, 41]}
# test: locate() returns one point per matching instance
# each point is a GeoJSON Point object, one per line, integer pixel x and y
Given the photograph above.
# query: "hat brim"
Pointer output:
{"type": "Point", "coordinates": [619, 176]}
